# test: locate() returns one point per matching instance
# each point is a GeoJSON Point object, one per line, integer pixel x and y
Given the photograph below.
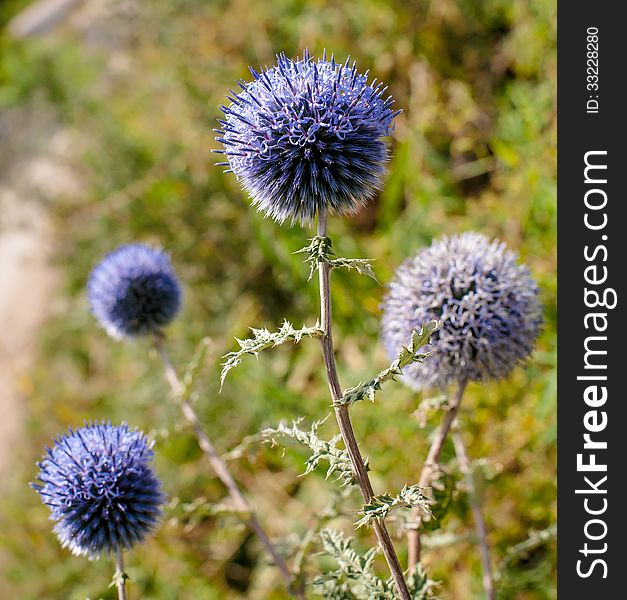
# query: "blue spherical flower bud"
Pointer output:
{"type": "Point", "coordinates": [100, 488]}
{"type": "Point", "coordinates": [488, 305]}
{"type": "Point", "coordinates": [134, 291]}
{"type": "Point", "coordinates": [306, 136]}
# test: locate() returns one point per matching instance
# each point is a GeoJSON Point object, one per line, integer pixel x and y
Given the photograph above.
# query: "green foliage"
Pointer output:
{"type": "Point", "coordinates": [380, 506]}
{"type": "Point", "coordinates": [8, 9]}
{"type": "Point", "coordinates": [353, 567]}
{"type": "Point", "coordinates": [321, 450]}
{"type": "Point", "coordinates": [523, 549]}
{"type": "Point", "coordinates": [525, 565]}
{"type": "Point", "coordinates": [320, 250]}
{"type": "Point", "coordinates": [473, 149]}
{"type": "Point", "coordinates": [262, 339]}
{"type": "Point", "coordinates": [119, 578]}
{"type": "Point", "coordinates": [194, 367]}
{"type": "Point", "coordinates": [420, 586]}
{"type": "Point", "coordinates": [408, 355]}
{"type": "Point", "coordinates": [355, 577]}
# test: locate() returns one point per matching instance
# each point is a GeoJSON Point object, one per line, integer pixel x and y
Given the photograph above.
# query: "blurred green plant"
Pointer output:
{"type": "Point", "coordinates": [473, 149]}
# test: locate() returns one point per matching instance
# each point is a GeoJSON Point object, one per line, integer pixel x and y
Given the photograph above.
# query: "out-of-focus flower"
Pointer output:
{"type": "Point", "coordinates": [100, 488]}
{"type": "Point", "coordinates": [488, 305]}
{"type": "Point", "coordinates": [306, 136]}
{"type": "Point", "coordinates": [134, 291]}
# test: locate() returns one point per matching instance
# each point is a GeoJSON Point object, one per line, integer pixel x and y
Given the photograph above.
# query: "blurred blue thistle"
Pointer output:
{"type": "Point", "coordinates": [100, 488]}
{"type": "Point", "coordinates": [488, 305]}
{"type": "Point", "coordinates": [134, 291]}
{"type": "Point", "coordinates": [305, 136]}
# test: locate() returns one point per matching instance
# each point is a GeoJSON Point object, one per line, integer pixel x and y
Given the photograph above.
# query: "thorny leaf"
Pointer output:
{"type": "Point", "coordinates": [382, 505]}
{"type": "Point", "coordinates": [420, 586]}
{"type": "Point", "coordinates": [408, 355]}
{"type": "Point", "coordinates": [262, 339]}
{"type": "Point", "coordinates": [321, 250]}
{"type": "Point", "coordinates": [322, 518]}
{"type": "Point", "coordinates": [354, 567]}
{"type": "Point", "coordinates": [322, 450]}
{"type": "Point", "coordinates": [119, 578]}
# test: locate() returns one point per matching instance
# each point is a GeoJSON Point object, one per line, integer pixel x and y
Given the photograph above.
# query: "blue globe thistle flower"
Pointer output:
{"type": "Point", "coordinates": [134, 291]}
{"type": "Point", "coordinates": [306, 136]}
{"type": "Point", "coordinates": [100, 488]}
{"type": "Point", "coordinates": [488, 305]}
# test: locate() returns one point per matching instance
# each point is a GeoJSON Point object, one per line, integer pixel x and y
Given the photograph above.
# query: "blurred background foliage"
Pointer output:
{"type": "Point", "coordinates": [138, 86]}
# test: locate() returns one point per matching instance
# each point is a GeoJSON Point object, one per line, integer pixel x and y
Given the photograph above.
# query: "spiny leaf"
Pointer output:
{"type": "Point", "coordinates": [320, 250]}
{"type": "Point", "coordinates": [322, 450]}
{"type": "Point", "coordinates": [420, 586]}
{"type": "Point", "coordinates": [262, 339]}
{"type": "Point", "coordinates": [353, 567]}
{"type": "Point", "coordinates": [382, 505]}
{"type": "Point", "coordinates": [408, 355]}
{"type": "Point", "coordinates": [119, 578]}
{"type": "Point", "coordinates": [332, 511]}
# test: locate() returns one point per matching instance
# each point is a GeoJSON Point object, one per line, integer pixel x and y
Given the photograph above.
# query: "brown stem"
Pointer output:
{"type": "Point", "coordinates": [120, 576]}
{"type": "Point", "coordinates": [344, 420]}
{"type": "Point", "coordinates": [480, 526]}
{"type": "Point", "coordinates": [219, 466]}
{"type": "Point", "coordinates": [428, 471]}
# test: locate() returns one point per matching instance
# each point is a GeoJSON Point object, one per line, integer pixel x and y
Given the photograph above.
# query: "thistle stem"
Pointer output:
{"type": "Point", "coordinates": [120, 575]}
{"type": "Point", "coordinates": [219, 465]}
{"type": "Point", "coordinates": [480, 526]}
{"type": "Point", "coordinates": [343, 417]}
{"type": "Point", "coordinates": [429, 469]}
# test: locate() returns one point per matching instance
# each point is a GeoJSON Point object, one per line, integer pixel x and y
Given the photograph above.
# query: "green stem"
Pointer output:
{"type": "Point", "coordinates": [120, 575]}
{"type": "Point", "coordinates": [343, 417]}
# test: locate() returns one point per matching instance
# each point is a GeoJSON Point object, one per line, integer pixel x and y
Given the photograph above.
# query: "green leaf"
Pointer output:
{"type": "Point", "coordinates": [353, 566]}
{"type": "Point", "coordinates": [382, 505]}
{"type": "Point", "coordinates": [420, 586]}
{"type": "Point", "coordinates": [197, 511]}
{"type": "Point", "coordinates": [320, 250]}
{"type": "Point", "coordinates": [262, 339]}
{"type": "Point", "coordinates": [524, 548]}
{"type": "Point", "coordinates": [322, 450]}
{"type": "Point", "coordinates": [119, 578]}
{"type": "Point", "coordinates": [408, 355]}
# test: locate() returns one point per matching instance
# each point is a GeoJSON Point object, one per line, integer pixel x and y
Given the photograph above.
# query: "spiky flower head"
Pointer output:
{"type": "Point", "coordinates": [306, 136]}
{"type": "Point", "coordinates": [100, 488]}
{"type": "Point", "coordinates": [488, 305]}
{"type": "Point", "coordinates": [134, 291]}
